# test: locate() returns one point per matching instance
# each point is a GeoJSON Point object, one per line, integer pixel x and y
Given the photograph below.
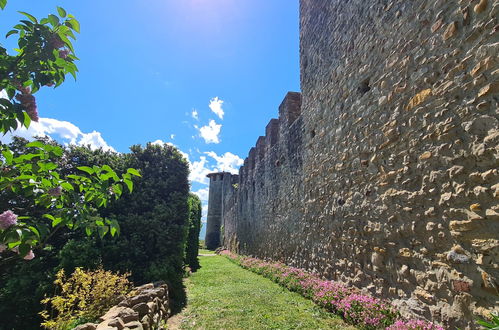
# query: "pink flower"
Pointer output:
{"type": "Point", "coordinates": [56, 42]}
{"type": "Point", "coordinates": [29, 103]}
{"type": "Point", "coordinates": [7, 219]}
{"type": "Point", "coordinates": [414, 325]}
{"type": "Point", "coordinates": [30, 255]}
{"type": "Point", "coordinates": [56, 192]}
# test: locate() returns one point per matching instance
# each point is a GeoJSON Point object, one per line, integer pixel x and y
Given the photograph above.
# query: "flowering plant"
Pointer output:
{"type": "Point", "coordinates": [44, 56]}
{"type": "Point", "coordinates": [355, 307]}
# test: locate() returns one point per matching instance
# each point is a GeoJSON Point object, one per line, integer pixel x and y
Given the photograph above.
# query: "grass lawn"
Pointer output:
{"type": "Point", "coordinates": [222, 295]}
{"type": "Point", "coordinates": [204, 251]}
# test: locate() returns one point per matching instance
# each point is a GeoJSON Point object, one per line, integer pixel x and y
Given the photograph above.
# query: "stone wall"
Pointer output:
{"type": "Point", "coordinates": [147, 309]}
{"type": "Point", "coordinates": [388, 179]}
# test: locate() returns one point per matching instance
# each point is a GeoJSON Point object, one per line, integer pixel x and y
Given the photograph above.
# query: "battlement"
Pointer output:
{"type": "Point", "coordinates": [382, 174]}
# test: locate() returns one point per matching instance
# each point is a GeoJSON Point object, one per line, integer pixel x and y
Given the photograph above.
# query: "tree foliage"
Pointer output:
{"type": "Point", "coordinates": [45, 55]}
{"type": "Point", "coordinates": [47, 191]}
{"type": "Point", "coordinates": [151, 246]}
{"type": "Point", "coordinates": [192, 244]}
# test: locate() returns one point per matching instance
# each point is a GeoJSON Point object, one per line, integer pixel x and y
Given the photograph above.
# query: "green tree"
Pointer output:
{"type": "Point", "coordinates": [192, 244]}
{"type": "Point", "coordinates": [153, 220]}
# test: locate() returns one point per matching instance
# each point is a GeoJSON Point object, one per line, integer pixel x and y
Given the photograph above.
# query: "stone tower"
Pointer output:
{"type": "Point", "coordinates": [218, 182]}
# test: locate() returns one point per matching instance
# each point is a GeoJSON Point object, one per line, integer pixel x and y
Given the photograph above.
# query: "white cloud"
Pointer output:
{"type": "Point", "coordinates": [227, 162]}
{"type": "Point", "coordinates": [158, 143]}
{"type": "Point", "coordinates": [54, 128]}
{"type": "Point", "coordinates": [203, 194]}
{"type": "Point", "coordinates": [60, 130]}
{"type": "Point", "coordinates": [161, 143]}
{"type": "Point", "coordinates": [205, 213]}
{"type": "Point", "coordinates": [199, 170]}
{"type": "Point", "coordinates": [195, 114]}
{"type": "Point", "coordinates": [211, 133]}
{"type": "Point", "coordinates": [95, 141]}
{"type": "Point", "coordinates": [172, 136]}
{"type": "Point", "coordinates": [216, 106]}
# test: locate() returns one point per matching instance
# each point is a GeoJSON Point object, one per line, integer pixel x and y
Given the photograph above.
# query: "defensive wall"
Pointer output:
{"type": "Point", "coordinates": [383, 173]}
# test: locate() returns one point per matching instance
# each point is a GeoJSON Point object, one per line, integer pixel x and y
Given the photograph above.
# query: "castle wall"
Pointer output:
{"type": "Point", "coordinates": [388, 179]}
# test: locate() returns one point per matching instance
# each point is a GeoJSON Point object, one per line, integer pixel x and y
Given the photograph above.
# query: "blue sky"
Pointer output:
{"type": "Point", "coordinates": [146, 66]}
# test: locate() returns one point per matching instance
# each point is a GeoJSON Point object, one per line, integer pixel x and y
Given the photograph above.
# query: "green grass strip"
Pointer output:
{"type": "Point", "coordinates": [222, 295]}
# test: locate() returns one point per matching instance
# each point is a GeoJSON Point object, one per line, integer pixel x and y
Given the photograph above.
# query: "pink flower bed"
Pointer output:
{"type": "Point", "coordinates": [355, 307]}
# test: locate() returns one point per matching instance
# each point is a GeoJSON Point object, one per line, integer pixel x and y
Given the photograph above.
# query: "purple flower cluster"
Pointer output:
{"type": "Point", "coordinates": [355, 307]}
{"type": "Point", "coordinates": [64, 53]}
{"type": "Point", "coordinates": [28, 101]}
{"type": "Point", "coordinates": [7, 219]}
{"type": "Point", "coordinates": [414, 325]}
{"type": "Point", "coordinates": [55, 192]}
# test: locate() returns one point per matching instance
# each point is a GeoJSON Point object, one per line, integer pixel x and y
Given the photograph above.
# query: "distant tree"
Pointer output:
{"type": "Point", "coordinates": [192, 244]}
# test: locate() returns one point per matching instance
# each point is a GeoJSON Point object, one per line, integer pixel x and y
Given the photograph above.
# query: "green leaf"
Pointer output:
{"type": "Point", "coordinates": [49, 216]}
{"type": "Point", "coordinates": [8, 156]}
{"type": "Point", "coordinates": [484, 323]}
{"type": "Point", "coordinates": [103, 231]}
{"type": "Point", "coordinates": [3, 3]}
{"type": "Point", "coordinates": [115, 227]}
{"type": "Point", "coordinates": [86, 169]}
{"type": "Point", "coordinates": [114, 231]}
{"type": "Point", "coordinates": [118, 190]}
{"type": "Point", "coordinates": [75, 25]}
{"type": "Point", "coordinates": [35, 231]}
{"type": "Point", "coordinates": [64, 38]}
{"type": "Point", "coordinates": [12, 236]}
{"type": "Point", "coordinates": [11, 32]}
{"type": "Point", "coordinates": [61, 12]}
{"type": "Point", "coordinates": [23, 250]}
{"type": "Point", "coordinates": [88, 231]}
{"type": "Point", "coordinates": [133, 171]}
{"type": "Point", "coordinates": [31, 17]}
{"type": "Point", "coordinates": [129, 184]}
{"type": "Point", "coordinates": [35, 144]}
{"type": "Point", "coordinates": [54, 20]}
{"type": "Point", "coordinates": [107, 168]}
{"type": "Point", "coordinates": [57, 151]}
{"type": "Point", "coordinates": [67, 186]}
{"type": "Point", "coordinates": [27, 120]}
{"type": "Point", "coordinates": [56, 221]}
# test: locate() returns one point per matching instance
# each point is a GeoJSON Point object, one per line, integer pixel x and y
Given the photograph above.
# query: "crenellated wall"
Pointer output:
{"type": "Point", "coordinates": [383, 173]}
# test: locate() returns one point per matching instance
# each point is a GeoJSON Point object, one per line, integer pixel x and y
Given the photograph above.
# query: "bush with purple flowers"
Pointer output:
{"type": "Point", "coordinates": [354, 306]}
{"type": "Point", "coordinates": [414, 325]}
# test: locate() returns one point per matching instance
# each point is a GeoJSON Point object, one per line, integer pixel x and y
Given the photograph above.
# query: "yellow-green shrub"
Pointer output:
{"type": "Point", "coordinates": [84, 295]}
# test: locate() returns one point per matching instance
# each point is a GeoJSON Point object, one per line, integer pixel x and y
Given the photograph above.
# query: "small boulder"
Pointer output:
{"type": "Point", "coordinates": [117, 323]}
{"type": "Point", "coordinates": [135, 325]}
{"type": "Point", "coordinates": [86, 326]}
{"type": "Point", "coordinates": [142, 309]}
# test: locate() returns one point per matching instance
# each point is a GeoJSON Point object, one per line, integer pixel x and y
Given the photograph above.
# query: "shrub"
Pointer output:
{"type": "Point", "coordinates": [192, 244]}
{"type": "Point", "coordinates": [153, 220]}
{"type": "Point", "coordinates": [85, 295]}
